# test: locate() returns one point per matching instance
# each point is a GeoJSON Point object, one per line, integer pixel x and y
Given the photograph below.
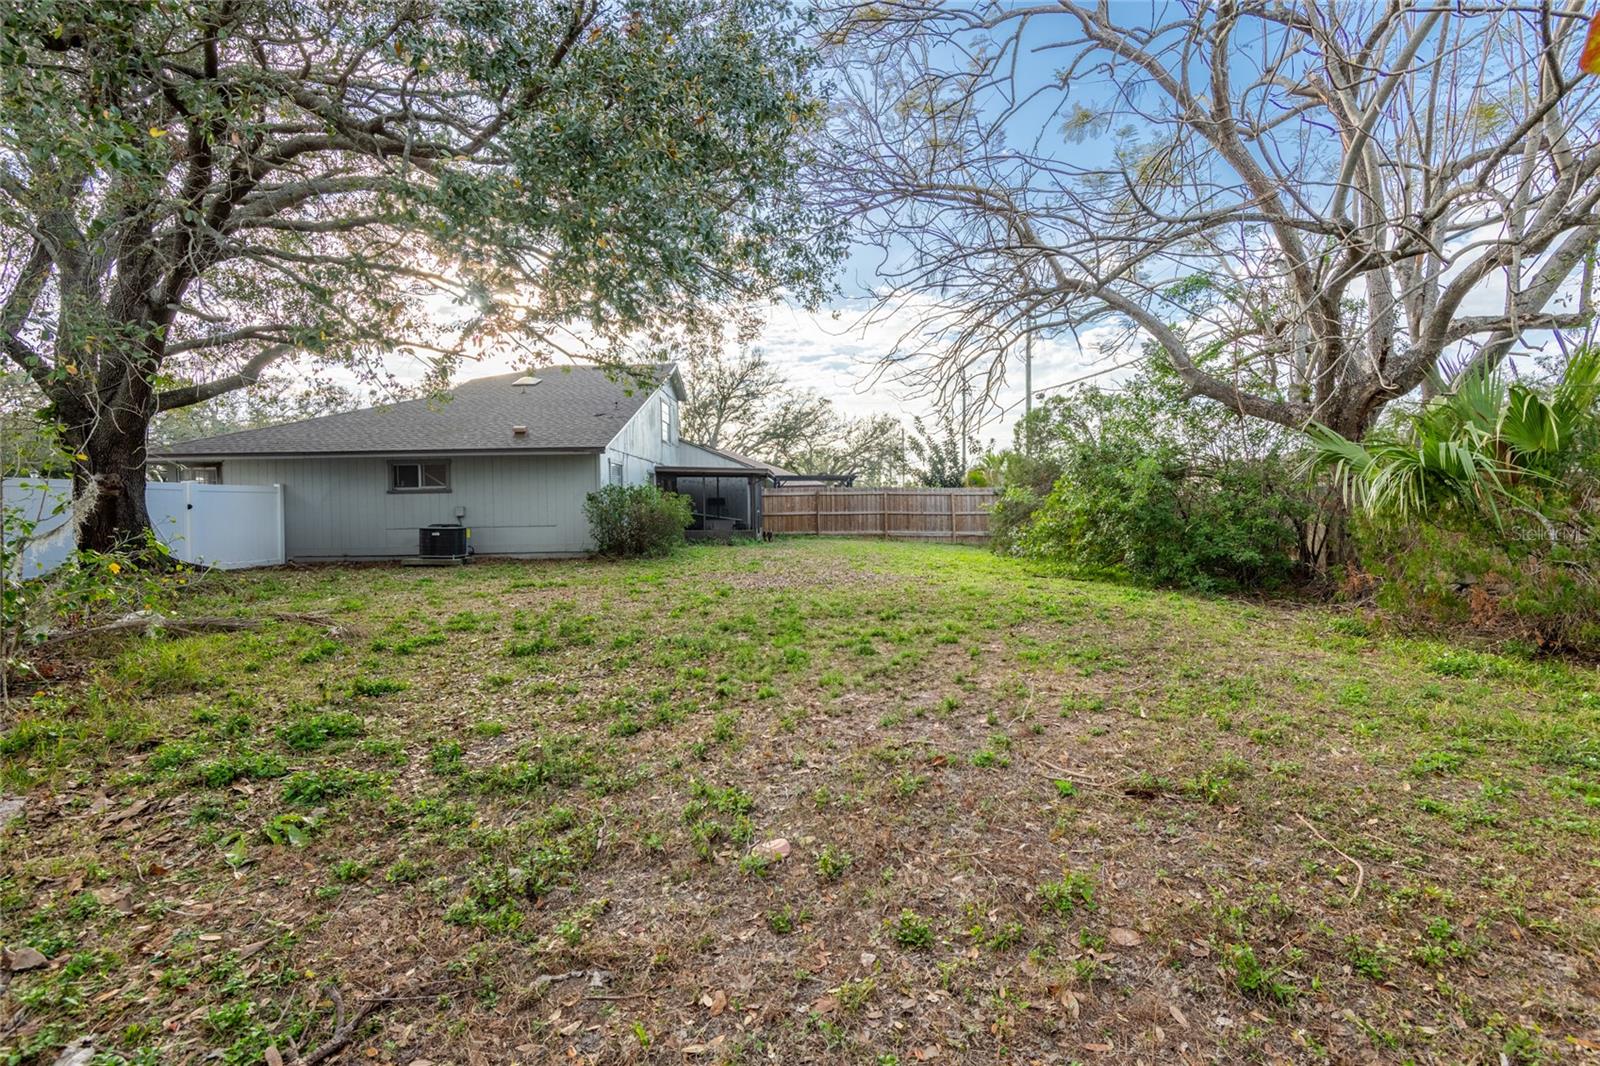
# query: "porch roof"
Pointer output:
{"type": "Point", "coordinates": [712, 471]}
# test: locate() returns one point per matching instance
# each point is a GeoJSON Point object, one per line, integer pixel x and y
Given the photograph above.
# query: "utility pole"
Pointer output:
{"type": "Point", "coordinates": [966, 390]}
{"type": "Point", "coordinates": [1027, 383]}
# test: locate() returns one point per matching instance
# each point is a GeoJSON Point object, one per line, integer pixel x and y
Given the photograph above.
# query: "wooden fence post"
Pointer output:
{"type": "Point", "coordinates": [883, 512]}
{"type": "Point", "coordinates": [952, 515]}
{"type": "Point", "coordinates": [816, 509]}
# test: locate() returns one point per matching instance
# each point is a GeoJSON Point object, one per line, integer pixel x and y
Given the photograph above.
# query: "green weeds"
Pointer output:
{"type": "Point", "coordinates": [911, 931]}
{"type": "Point", "coordinates": [1072, 892]}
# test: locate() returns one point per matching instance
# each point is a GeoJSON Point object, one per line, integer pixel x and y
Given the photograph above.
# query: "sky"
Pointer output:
{"type": "Point", "coordinates": [833, 352]}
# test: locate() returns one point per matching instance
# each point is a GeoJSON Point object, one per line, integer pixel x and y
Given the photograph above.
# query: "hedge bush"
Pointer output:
{"type": "Point", "coordinates": [1510, 583]}
{"type": "Point", "coordinates": [637, 520]}
{"type": "Point", "coordinates": [1154, 487]}
{"type": "Point", "coordinates": [1481, 506]}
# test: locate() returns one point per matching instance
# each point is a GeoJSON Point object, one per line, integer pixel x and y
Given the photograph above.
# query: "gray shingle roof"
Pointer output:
{"type": "Point", "coordinates": [571, 408]}
{"type": "Point", "coordinates": [745, 460]}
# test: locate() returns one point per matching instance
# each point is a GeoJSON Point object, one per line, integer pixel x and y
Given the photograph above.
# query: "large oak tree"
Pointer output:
{"type": "Point", "coordinates": [194, 190]}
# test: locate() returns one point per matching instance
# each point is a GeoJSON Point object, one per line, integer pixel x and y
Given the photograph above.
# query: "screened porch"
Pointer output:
{"type": "Point", "coordinates": [723, 502]}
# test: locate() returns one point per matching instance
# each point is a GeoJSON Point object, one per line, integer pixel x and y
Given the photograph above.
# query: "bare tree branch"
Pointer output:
{"type": "Point", "coordinates": [1305, 207]}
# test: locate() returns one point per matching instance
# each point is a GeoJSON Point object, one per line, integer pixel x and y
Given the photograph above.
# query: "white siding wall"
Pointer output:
{"type": "Point", "coordinates": [341, 508]}
{"type": "Point", "coordinates": [639, 448]}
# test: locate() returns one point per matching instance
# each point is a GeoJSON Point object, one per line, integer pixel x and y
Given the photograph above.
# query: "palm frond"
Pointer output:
{"type": "Point", "coordinates": [1398, 481]}
{"type": "Point", "coordinates": [1480, 445]}
{"type": "Point", "coordinates": [1477, 400]}
{"type": "Point", "coordinates": [1575, 395]}
{"type": "Point", "coordinates": [1344, 460]}
{"type": "Point", "coordinates": [1529, 427]}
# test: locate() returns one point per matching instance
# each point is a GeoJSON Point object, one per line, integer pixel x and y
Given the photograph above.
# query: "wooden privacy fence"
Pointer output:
{"type": "Point", "coordinates": [938, 514]}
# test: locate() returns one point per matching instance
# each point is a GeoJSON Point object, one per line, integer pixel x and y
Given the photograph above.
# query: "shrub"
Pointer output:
{"type": "Point", "coordinates": [636, 520]}
{"type": "Point", "coordinates": [1025, 481]}
{"type": "Point", "coordinates": [1479, 507]}
{"type": "Point", "coordinates": [1157, 488]}
{"type": "Point", "coordinates": [1452, 571]}
{"type": "Point", "coordinates": [1142, 514]}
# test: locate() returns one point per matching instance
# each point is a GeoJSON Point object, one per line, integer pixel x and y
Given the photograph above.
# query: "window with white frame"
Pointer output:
{"type": "Point", "coordinates": [614, 472]}
{"type": "Point", "coordinates": [419, 477]}
{"type": "Point", "coordinates": [666, 420]}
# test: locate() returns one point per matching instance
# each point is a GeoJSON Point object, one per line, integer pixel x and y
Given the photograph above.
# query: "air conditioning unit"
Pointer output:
{"type": "Point", "coordinates": [443, 541]}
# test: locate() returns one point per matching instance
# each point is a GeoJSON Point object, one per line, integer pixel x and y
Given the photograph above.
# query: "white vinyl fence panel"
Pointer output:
{"type": "Point", "coordinates": [43, 503]}
{"type": "Point", "coordinates": [226, 526]}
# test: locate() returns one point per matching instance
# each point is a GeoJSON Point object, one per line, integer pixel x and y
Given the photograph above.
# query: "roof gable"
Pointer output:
{"type": "Point", "coordinates": [571, 408]}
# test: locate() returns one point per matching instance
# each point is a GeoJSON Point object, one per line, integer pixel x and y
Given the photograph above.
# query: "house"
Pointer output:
{"type": "Point", "coordinates": [511, 457]}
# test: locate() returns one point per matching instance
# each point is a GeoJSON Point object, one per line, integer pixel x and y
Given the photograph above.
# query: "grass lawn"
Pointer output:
{"type": "Point", "coordinates": [527, 812]}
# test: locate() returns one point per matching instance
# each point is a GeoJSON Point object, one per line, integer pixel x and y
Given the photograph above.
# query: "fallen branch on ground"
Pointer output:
{"type": "Point", "coordinates": [1361, 871]}
{"type": "Point", "coordinates": [147, 623]}
{"type": "Point", "coordinates": [343, 1030]}
{"type": "Point", "coordinates": [1081, 778]}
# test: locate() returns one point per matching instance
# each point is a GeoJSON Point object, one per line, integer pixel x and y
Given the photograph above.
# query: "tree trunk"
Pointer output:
{"type": "Point", "coordinates": [1352, 419]}
{"type": "Point", "coordinates": [118, 519]}
{"type": "Point", "coordinates": [1338, 546]}
{"type": "Point", "coordinates": [1335, 553]}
